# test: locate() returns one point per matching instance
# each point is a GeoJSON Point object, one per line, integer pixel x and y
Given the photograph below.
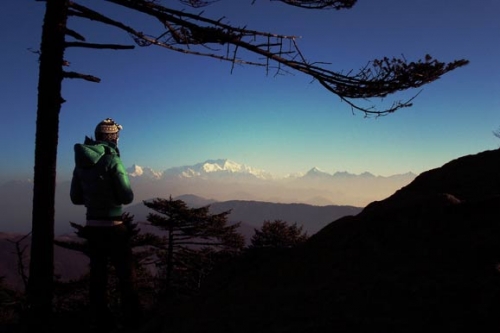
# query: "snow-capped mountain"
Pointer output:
{"type": "Point", "coordinates": [225, 168]}
{"type": "Point", "coordinates": [208, 169]}
{"type": "Point", "coordinates": [223, 179]}
{"type": "Point", "coordinates": [138, 171]}
{"type": "Point", "coordinates": [215, 180]}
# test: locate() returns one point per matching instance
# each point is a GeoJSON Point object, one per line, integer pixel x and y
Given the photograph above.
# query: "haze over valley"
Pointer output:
{"type": "Point", "coordinates": [215, 181]}
{"type": "Point", "coordinates": [223, 180]}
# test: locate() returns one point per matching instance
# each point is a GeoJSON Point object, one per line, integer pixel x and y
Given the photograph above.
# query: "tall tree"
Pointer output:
{"type": "Point", "coordinates": [191, 229]}
{"type": "Point", "coordinates": [40, 283]}
{"type": "Point", "coordinates": [186, 32]}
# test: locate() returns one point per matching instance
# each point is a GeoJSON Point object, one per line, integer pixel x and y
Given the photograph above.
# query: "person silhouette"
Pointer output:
{"type": "Point", "coordinates": [100, 182]}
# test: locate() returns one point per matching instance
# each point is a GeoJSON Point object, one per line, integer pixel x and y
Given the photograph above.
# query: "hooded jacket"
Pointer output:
{"type": "Point", "coordinates": [100, 182]}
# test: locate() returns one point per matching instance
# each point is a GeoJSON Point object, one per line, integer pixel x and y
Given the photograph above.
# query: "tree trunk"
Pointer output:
{"type": "Point", "coordinates": [40, 283]}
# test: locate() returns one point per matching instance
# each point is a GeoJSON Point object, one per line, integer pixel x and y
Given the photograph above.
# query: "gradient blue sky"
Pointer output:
{"type": "Point", "coordinates": [178, 109]}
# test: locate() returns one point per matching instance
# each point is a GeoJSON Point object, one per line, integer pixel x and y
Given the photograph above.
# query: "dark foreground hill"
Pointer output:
{"type": "Point", "coordinates": [423, 260]}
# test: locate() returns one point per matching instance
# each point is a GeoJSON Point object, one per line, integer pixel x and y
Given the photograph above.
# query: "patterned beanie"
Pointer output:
{"type": "Point", "coordinates": [107, 130]}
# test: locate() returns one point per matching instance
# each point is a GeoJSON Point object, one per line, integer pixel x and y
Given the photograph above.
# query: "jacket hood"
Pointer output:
{"type": "Point", "coordinates": [89, 153]}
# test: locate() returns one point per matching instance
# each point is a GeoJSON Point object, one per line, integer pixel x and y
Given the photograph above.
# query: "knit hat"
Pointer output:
{"type": "Point", "coordinates": [107, 130]}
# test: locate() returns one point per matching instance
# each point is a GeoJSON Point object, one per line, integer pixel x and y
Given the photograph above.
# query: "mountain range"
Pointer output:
{"type": "Point", "coordinates": [214, 181]}
{"type": "Point", "coordinates": [220, 168]}
{"type": "Point", "coordinates": [224, 180]}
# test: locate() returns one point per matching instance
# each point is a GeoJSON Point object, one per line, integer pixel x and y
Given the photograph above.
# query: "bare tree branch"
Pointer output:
{"type": "Point", "coordinates": [74, 34]}
{"type": "Point", "coordinates": [198, 3]}
{"type": "Point", "coordinates": [320, 4]}
{"type": "Point", "coordinates": [99, 46]}
{"type": "Point", "coordinates": [497, 133]}
{"type": "Point", "coordinates": [197, 35]}
{"type": "Point", "coordinates": [86, 77]}
{"type": "Point", "coordinates": [21, 253]}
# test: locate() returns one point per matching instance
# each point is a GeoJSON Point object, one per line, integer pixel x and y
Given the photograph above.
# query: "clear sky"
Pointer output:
{"type": "Point", "coordinates": [179, 109]}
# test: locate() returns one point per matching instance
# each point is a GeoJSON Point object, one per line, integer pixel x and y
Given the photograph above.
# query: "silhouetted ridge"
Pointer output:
{"type": "Point", "coordinates": [425, 259]}
{"type": "Point", "coordinates": [469, 177]}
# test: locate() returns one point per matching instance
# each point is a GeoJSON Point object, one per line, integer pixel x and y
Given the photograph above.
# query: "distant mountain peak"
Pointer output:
{"type": "Point", "coordinates": [229, 170]}
{"type": "Point", "coordinates": [316, 169]}
{"type": "Point", "coordinates": [213, 168]}
{"type": "Point", "coordinates": [316, 172]}
{"type": "Point", "coordinates": [222, 165]}
{"type": "Point", "coordinates": [138, 171]}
